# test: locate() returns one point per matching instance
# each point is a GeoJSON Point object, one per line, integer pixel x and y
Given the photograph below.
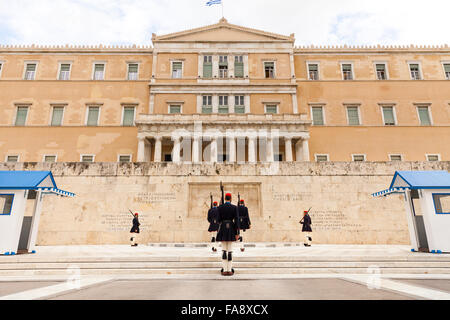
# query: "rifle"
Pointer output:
{"type": "Point", "coordinates": [222, 200]}
{"type": "Point", "coordinates": [210, 195]}
{"type": "Point", "coordinates": [237, 210]}
{"type": "Point", "coordinates": [304, 216]}
{"type": "Point", "coordinates": [131, 213]}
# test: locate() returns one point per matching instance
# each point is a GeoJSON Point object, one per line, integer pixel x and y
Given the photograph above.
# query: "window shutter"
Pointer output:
{"type": "Point", "coordinates": [21, 116]}
{"type": "Point", "coordinates": [207, 70]}
{"type": "Point", "coordinates": [317, 113]}
{"type": "Point", "coordinates": [424, 116]}
{"type": "Point", "coordinates": [447, 67]}
{"type": "Point", "coordinates": [128, 116]}
{"type": "Point", "coordinates": [177, 65]}
{"type": "Point", "coordinates": [57, 116]}
{"type": "Point", "coordinates": [380, 67]}
{"type": "Point", "coordinates": [271, 109]}
{"type": "Point", "coordinates": [133, 68]}
{"type": "Point", "coordinates": [175, 109]}
{"type": "Point", "coordinates": [93, 116]}
{"type": "Point", "coordinates": [65, 67]}
{"type": "Point", "coordinates": [99, 67]}
{"type": "Point", "coordinates": [313, 67]}
{"type": "Point", "coordinates": [239, 70]}
{"type": "Point", "coordinates": [353, 116]}
{"type": "Point", "coordinates": [31, 67]}
{"type": "Point", "coordinates": [388, 113]}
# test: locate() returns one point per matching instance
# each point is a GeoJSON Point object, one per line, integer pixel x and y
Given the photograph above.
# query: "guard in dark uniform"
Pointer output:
{"type": "Point", "coordinates": [228, 233]}
{"type": "Point", "coordinates": [306, 222]}
{"type": "Point", "coordinates": [135, 230]}
{"type": "Point", "coordinates": [244, 221]}
{"type": "Point", "coordinates": [213, 216]}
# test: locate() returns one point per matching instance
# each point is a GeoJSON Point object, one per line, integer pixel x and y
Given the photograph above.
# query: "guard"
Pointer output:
{"type": "Point", "coordinates": [213, 214]}
{"type": "Point", "coordinates": [135, 230]}
{"type": "Point", "coordinates": [244, 221]}
{"type": "Point", "coordinates": [228, 233]}
{"type": "Point", "coordinates": [306, 222]}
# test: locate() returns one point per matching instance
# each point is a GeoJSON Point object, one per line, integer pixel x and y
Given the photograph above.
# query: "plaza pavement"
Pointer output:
{"type": "Point", "coordinates": [277, 271]}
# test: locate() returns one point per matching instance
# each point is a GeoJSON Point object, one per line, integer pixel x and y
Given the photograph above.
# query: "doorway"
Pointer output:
{"type": "Point", "coordinates": [418, 221]}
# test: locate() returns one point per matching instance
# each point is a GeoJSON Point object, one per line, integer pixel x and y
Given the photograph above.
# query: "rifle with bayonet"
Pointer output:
{"type": "Point", "coordinates": [222, 199]}
{"type": "Point", "coordinates": [237, 210]}
{"type": "Point", "coordinates": [211, 196]}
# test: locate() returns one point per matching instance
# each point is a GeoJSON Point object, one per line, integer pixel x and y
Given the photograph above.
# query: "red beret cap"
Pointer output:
{"type": "Point", "coordinates": [215, 203]}
{"type": "Point", "coordinates": [228, 195]}
{"type": "Point", "coordinates": [242, 200]}
{"type": "Point", "coordinates": [136, 214]}
{"type": "Point", "coordinates": [305, 211]}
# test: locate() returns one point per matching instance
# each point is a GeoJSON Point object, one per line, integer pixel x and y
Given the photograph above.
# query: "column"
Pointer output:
{"type": "Point", "coordinates": [141, 150]}
{"type": "Point", "coordinates": [251, 150]}
{"type": "Point", "coordinates": [176, 150]}
{"type": "Point", "coordinates": [269, 150]}
{"type": "Point", "coordinates": [158, 149]}
{"type": "Point", "coordinates": [232, 149]}
{"type": "Point", "coordinates": [298, 151]}
{"type": "Point", "coordinates": [214, 150]}
{"type": "Point", "coordinates": [288, 149]}
{"type": "Point", "coordinates": [305, 149]}
{"type": "Point", "coordinates": [196, 150]}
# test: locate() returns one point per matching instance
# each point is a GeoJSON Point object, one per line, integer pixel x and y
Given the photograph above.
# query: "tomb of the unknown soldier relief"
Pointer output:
{"type": "Point", "coordinates": [156, 129]}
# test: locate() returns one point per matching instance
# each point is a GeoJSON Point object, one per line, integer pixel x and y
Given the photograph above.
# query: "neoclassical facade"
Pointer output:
{"type": "Point", "coordinates": [224, 93]}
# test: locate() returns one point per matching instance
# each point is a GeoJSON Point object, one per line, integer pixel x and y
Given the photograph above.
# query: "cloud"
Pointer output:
{"type": "Point", "coordinates": [314, 22]}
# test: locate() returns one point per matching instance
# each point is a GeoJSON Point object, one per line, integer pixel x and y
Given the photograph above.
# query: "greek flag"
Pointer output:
{"type": "Point", "coordinates": [212, 2]}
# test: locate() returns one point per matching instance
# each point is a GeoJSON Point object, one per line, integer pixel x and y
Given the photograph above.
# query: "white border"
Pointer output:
{"type": "Point", "coordinates": [318, 70]}
{"type": "Point", "coordinates": [341, 63]}
{"type": "Point", "coordinates": [385, 67]}
{"type": "Point", "coordinates": [51, 113]}
{"type": "Point", "coordinates": [123, 113]}
{"type": "Point", "coordinates": [358, 154]}
{"type": "Point", "coordinates": [171, 68]}
{"type": "Point", "coordinates": [277, 104]}
{"type": "Point", "coordinates": [12, 155]}
{"type": "Point", "coordinates": [125, 155]}
{"type": "Point", "coordinates": [93, 70]}
{"type": "Point", "coordinates": [321, 154]}
{"type": "Point", "coordinates": [128, 70]}
{"type": "Point", "coordinates": [395, 154]}
{"type": "Point", "coordinates": [393, 111]}
{"type": "Point", "coordinates": [87, 114]}
{"type": "Point", "coordinates": [359, 114]}
{"type": "Point", "coordinates": [59, 69]}
{"type": "Point", "coordinates": [17, 110]}
{"type": "Point", "coordinates": [443, 62]}
{"type": "Point", "coordinates": [418, 105]}
{"type": "Point", "coordinates": [420, 69]}
{"type": "Point", "coordinates": [274, 68]}
{"type": "Point", "coordinates": [433, 154]}
{"type": "Point", "coordinates": [174, 104]}
{"type": "Point", "coordinates": [87, 155]}
{"type": "Point", "coordinates": [50, 155]}
{"type": "Point", "coordinates": [27, 62]}
{"type": "Point", "coordinates": [314, 105]}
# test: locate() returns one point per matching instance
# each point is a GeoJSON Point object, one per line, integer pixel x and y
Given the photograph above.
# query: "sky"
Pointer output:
{"type": "Point", "coordinates": [318, 22]}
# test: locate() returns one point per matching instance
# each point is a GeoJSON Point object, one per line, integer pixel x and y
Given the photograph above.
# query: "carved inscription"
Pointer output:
{"type": "Point", "coordinates": [151, 197]}
{"type": "Point", "coordinates": [120, 222]}
{"type": "Point", "coordinates": [332, 221]}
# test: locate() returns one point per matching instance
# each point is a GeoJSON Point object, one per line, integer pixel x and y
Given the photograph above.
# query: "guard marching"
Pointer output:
{"type": "Point", "coordinates": [135, 230]}
{"type": "Point", "coordinates": [244, 221]}
{"type": "Point", "coordinates": [213, 214]}
{"type": "Point", "coordinates": [228, 233]}
{"type": "Point", "coordinates": [306, 222]}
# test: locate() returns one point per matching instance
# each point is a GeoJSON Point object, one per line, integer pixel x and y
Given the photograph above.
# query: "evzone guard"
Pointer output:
{"type": "Point", "coordinates": [213, 223]}
{"type": "Point", "coordinates": [134, 229]}
{"type": "Point", "coordinates": [228, 231]}
{"type": "Point", "coordinates": [244, 221]}
{"type": "Point", "coordinates": [306, 222]}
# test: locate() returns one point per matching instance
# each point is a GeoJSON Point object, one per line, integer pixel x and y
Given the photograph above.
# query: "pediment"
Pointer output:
{"type": "Point", "coordinates": [223, 32]}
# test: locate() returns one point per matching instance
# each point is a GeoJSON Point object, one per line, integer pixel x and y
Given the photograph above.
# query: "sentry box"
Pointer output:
{"type": "Point", "coordinates": [427, 202]}
{"type": "Point", "coordinates": [18, 231]}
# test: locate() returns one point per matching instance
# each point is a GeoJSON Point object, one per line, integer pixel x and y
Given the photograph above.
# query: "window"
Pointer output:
{"type": "Point", "coordinates": [395, 157]}
{"type": "Point", "coordinates": [317, 115]}
{"type": "Point", "coordinates": [271, 108]}
{"type": "Point", "coordinates": [57, 116]}
{"type": "Point", "coordinates": [64, 71]}
{"type": "Point", "coordinates": [50, 159]}
{"type": "Point", "coordinates": [133, 69]}
{"type": "Point", "coordinates": [124, 158]}
{"type": "Point", "coordinates": [424, 116]}
{"type": "Point", "coordinates": [239, 104]}
{"type": "Point", "coordinates": [174, 109]}
{"type": "Point", "coordinates": [359, 157]}
{"type": "Point", "coordinates": [21, 116]}
{"type": "Point", "coordinates": [6, 202]}
{"type": "Point", "coordinates": [223, 66]}
{"type": "Point", "coordinates": [238, 66]}
{"type": "Point", "coordinates": [415, 71]}
{"type": "Point", "coordinates": [388, 116]}
{"type": "Point", "coordinates": [446, 70]}
{"type": "Point", "coordinates": [353, 116]}
{"type": "Point", "coordinates": [168, 158]}
{"type": "Point", "coordinates": [322, 158]}
{"type": "Point", "coordinates": [381, 71]}
{"type": "Point", "coordinates": [223, 104]}
{"type": "Point", "coordinates": [12, 159]}
{"type": "Point", "coordinates": [347, 73]}
{"type": "Point", "coordinates": [442, 203]}
{"type": "Point", "coordinates": [128, 116]}
{"type": "Point", "coordinates": [87, 158]}
{"type": "Point", "coordinates": [30, 71]}
{"type": "Point", "coordinates": [207, 104]}
{"type": "Point", "coordinates": [433, 157]}
{"type": "Point", "coordinates": [207, 66]}
{"type": "Point", "coordinates": [99, 71]}
{"type": "Point", "coordinates": [313, 71]}
{"type": "Point", "coordinates": [177, 69]}
{"type": "Point", "coordinates": [1, 67]}
{"type": "Point", "coordinates": [93, 115]}
{"type": "Point", "coordinates": [269, 69]}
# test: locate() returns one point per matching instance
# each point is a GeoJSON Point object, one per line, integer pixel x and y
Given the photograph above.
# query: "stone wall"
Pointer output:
{"type": "Point", "coordinates": [173, 201]}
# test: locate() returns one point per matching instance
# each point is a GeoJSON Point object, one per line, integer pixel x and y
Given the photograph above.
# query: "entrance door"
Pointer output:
{"type": "Point", "coordinates": [418, 220]}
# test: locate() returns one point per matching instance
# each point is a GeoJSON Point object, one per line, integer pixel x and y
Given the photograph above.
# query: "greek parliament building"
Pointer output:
{"type": "Point", "coordinates": [224, 102]}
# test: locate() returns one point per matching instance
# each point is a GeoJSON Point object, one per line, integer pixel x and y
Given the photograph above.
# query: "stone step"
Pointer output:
{"type": "Point", "coordinates": [217, 263]}
{"type": "Point", "coordinates": [209, 271]}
